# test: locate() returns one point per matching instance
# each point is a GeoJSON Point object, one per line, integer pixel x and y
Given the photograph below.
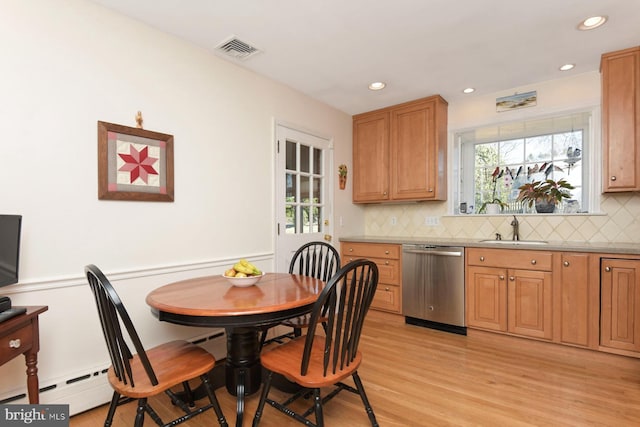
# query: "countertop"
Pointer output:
{"type": "Point", "coordinates": [566, 246]}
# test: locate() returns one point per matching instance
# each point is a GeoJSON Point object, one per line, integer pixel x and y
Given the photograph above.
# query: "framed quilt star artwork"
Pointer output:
{"type": "Point", "coordinates": [134, 164]}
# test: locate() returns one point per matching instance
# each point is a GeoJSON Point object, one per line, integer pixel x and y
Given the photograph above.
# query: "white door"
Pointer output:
{"type": "Point", "coordinates": [303, 192]}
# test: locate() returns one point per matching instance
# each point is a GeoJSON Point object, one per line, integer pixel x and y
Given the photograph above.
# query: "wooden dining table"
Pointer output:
{"type": "Point", "coordinates": [212, 301]}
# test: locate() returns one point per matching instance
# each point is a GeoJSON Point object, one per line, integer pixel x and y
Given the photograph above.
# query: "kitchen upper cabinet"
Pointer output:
{"type": "Point", "coordinates": [400, 152]}
{"type": "Point", "coordinates": [620, 74]}
{"type": "Point", "coordinates": [370, 156]}
{"type": "Point", "coordinates": [620, 304]}
{"type": "Point", "coordinates": [510, 291]}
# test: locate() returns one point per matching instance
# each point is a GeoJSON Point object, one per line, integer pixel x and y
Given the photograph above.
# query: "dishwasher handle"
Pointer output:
{"type": "Point", "coordinates": [437, 251]}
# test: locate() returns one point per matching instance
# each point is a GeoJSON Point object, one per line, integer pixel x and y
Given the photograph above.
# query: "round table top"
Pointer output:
{"type": "Point", "coordinates": [214, 301]}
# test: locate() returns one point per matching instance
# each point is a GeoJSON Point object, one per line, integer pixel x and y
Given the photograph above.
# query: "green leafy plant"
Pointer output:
{"type": "Point", "coordinates": [548, 191]}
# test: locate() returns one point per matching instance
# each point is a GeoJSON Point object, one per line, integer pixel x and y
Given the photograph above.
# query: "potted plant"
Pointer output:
{"type": "Point", "coordinates": [545, 194]}
{"type": "Point", "coordinates": [495, 205]}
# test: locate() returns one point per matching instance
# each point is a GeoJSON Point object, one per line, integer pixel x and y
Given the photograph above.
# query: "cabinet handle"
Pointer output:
{"type": "Point", "coordinates": [386, 263]}
{"type": "Point", "coordinates": [384, 193]}
{"type": "Point", "coordinates": [512, 278]}
{"type": "Point", "coordinates": [15, 343]}
{"type": "Point", "coordinates": [350, 249]}
{"type": "Point", "coordinates": [386, 289]}
{"type": "Point", "coordinates": [386, 252]}
{"type": "Point", "coordinates": [613, 178]}
{"type": "Point", "coordinates": [607, 269]}
{"type": "Point", "coordinates": [481, 258]}
{"type": "Point", "coordinates": [430, 190]}
{"type": "Point", "coordinates": [566, 263]}
{"type": "Point", "coordinates": [534, 262]}
{"type": "Point", "coordinates": [501, 277]}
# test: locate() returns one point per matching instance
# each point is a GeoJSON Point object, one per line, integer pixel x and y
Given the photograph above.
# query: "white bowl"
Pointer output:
{"type": "Point", "coordinates": [244, 281]}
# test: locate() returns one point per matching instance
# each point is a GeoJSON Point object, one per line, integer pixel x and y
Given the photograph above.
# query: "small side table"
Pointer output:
{"type": "Point", "coordinates": [20, 335]}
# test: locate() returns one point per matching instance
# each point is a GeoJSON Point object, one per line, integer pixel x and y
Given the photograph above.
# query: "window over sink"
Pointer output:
{"type": "Point", "coordinates": [494, 161]}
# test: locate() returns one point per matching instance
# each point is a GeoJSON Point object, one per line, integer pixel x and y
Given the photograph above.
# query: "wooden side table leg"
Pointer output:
{"type": "Point", "coordinates": [31, 358]}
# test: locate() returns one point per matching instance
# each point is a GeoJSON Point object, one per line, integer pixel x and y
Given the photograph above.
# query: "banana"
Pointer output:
{"type": "Point", "coordinates": [256, 270]}
{"type": "Point", "coordinates": [241, 268]}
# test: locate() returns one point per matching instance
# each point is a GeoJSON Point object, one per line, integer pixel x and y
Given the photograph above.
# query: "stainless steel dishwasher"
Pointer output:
{"type": "Point", "coordinates": [433, 286]}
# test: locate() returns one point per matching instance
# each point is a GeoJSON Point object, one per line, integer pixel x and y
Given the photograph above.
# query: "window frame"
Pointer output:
{"type": "Point", "coordinates": [463, 158]}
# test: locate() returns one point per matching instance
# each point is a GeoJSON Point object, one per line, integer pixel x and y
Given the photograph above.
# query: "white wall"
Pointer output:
{"type": "Point", "coordinates": [70, 63]}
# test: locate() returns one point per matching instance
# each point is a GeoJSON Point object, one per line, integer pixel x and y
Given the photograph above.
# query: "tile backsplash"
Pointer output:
{"type": "Point", "coordinates": [618, 222]}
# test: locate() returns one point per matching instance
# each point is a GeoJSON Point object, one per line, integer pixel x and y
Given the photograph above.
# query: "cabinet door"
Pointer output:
{"type": "Point", "coordinates": [621, 120]}
{"type": "Point", "coordinates": [418, 154]}
{"type": "Point", "coordinates": [487, 298]}
{"type": "Point", "coordinates": [572, 299]}
{"type": "Point", "coordinates": [620, 304]}
{"type": "Point", "coordinates": [529, 306]}
{"type": "Point", "coordinates": [371, 157]}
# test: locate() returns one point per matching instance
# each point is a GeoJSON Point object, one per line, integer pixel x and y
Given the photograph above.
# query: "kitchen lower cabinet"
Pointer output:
{"type": "Point", "coordinates": [576, 305]}
{"type": "Point", "coordinates": [487, 298]}
{"type": "Point", "coordinates": [506, 299]}
{"type": "Point", "coordinates": [387, 257]}
{"type": "Point", "coordinates": [620, 304]}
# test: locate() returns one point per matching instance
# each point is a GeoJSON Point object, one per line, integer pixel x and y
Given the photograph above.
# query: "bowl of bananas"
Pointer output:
{"type": "Point", "coordinates": [243, 274]}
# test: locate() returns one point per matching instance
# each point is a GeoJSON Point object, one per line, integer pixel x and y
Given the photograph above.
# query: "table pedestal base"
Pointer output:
{"type": "Point", "coordinates": [243, 372]}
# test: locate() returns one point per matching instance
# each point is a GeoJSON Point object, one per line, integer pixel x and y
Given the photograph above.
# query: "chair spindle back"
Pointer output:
{"type": "Point", "coordinates": [112, 312]}
{"type": "Point", "coordinates": [315, 259]}
{"type": "Point", "coordinates": [344, 302]}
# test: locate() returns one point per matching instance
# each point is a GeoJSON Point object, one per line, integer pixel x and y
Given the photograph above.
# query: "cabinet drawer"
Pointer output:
{"type": "Point", "coordinates": [371, 250]}
{"type": "Point", "coordinates": [388, 269]}
{"type": "Point", "coordinates": [509, 258]}
{"type": "Point", "coordinates": [387, 298]}
{"type": "Point", "coordinates": [23, 336]}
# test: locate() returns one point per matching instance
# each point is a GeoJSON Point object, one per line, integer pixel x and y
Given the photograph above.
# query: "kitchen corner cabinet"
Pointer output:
{"type": "Point", "coordinates": [620, 304]}
{"type": "Point", "coordinates": [400, 152]}
{"type": "Point", "coordinates": [387, 258]}
{"type": "Point", "coordinates": [510, 291]}
{"type": "Point", "coordinates": [620, 75]}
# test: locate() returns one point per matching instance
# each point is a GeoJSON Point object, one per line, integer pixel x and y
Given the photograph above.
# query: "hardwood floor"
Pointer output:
{"type": "Point", "coordinates": [421, 377]}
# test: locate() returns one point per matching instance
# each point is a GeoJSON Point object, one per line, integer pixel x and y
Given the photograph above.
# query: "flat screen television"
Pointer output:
{"type": "Point", "coordinates": [10, 226]}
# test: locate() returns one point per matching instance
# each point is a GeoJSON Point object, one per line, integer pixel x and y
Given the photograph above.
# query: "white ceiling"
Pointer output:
{"type": "Point", "coordinates": [332, 49]}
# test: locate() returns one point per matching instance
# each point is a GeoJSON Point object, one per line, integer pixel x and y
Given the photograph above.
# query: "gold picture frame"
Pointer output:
{"type": "Point", "coordinates": [134, 164]}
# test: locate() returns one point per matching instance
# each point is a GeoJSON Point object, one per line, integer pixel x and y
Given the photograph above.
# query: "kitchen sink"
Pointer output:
{"type": "Point", "coordinates": [515, 242]}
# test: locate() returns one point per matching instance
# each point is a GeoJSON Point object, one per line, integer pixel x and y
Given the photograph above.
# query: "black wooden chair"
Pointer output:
{"type": "Point", "coordinates": [315, 361]}
{"type": "Point", "coordinates": [316, 259]}
{"type": "Point", "coordinates": [147, 373]}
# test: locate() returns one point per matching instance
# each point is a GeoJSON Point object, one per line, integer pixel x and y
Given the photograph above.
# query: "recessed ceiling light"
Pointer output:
{"type": "Point", "coordinates": [468, 90]}
{"type": "Point", "coordinates": [377, 85]}
{"type": "Point", "coordinates": [567, 67]}
{"type": "Point", "coordinates": [592, 22]}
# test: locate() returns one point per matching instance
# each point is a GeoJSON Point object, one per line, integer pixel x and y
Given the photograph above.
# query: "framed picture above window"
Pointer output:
{"type": "Point", "coordinates": [134, 164]}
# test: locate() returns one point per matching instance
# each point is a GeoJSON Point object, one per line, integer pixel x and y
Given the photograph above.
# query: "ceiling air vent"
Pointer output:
{"type": "Point", "coordinates": [236, 48]}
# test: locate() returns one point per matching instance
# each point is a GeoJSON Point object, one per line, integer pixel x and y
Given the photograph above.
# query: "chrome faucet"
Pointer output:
{"type": "Point", "coordinates": [516, 228]}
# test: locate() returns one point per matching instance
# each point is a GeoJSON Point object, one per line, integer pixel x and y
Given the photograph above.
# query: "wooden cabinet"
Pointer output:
{"type": "Point", "coordinates": [510, 291]}
{"type": "Point", "coordinates": [575, 308]}
{"type": "Point", "coordinates": [400, 152]}
{"type": "Point", "coordinates": [620, 73]}
{"type": "Point", "coordinates": [387, 258]}
{"type": "Point", "coordinates": [371, 157]}
{"type": "Point", "coordinates": [620, 304]}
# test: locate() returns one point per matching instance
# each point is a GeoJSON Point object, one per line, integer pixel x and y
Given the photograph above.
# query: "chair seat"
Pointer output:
{"type": "Point", "coordinates": [173, 363]}
{"type": "Point", "coordinates": [287, 359]}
